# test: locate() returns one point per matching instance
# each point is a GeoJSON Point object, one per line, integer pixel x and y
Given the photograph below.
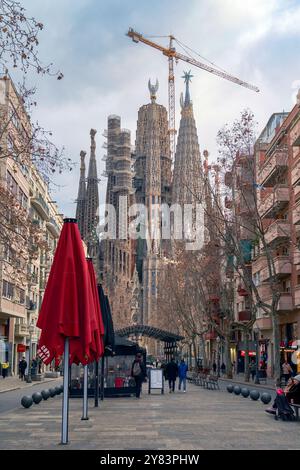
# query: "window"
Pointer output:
{"type": "Point", "coordinates": [256, 278]}
{"type": "Point", "coordinates": [7, 290]}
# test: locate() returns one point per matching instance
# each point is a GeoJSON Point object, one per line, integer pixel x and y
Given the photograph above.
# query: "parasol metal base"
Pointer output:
{"type": "Point", "coordinates": [85, 419]}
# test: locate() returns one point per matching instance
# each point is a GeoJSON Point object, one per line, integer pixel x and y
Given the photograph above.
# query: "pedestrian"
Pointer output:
{"type": "Point", "coordinates": [172, 373]}
{"type": "Point", "coordinates": [214, 367]}
{"type": "Point", "coordinates": [182, 370]}
{"type": "Point", "coordinates": [5, 366]}
{"type": "Point", "coordinates": [223, 368]}
{"type": "Point", "coordinates": [233, 368]}
{"type": "Point", "coordinates": [22, 368]}
{"type": "Point", "coordinates": [252, 368]}
{"type": "Point", "coordinates": [138, 372]}
{"type": "Point", "coordinates": [291, 391]}
{"type": "Point", "coordinates": [286, 371]}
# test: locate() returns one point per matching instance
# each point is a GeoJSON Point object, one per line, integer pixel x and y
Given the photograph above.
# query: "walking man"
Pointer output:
{"type": "Point", "coordinates": [172, 373]}
{"type": "Point", "coordinates": [183, 368]}
{"type": "Point", "coordinates": [22, 368]}
{"type": "Point", "coordinates": [138, 372]}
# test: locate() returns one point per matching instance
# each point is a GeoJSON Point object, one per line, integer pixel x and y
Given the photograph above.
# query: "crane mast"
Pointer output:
{"type": "Point", "coordinates": [172, 54]}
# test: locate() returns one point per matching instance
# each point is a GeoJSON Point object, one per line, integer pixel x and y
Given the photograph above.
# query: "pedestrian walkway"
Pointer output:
{"type": "Point", "coordinates": [268, 383]}
{"type": "Point", "coordinates": [198, 419]}
{"type": "Point", "coordinates": [14, 383]}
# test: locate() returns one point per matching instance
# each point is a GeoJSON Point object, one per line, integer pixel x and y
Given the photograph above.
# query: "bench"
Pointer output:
{"type": "Point", "coordinates": [212, 382]}
{"type": "Point", "coordinates": [296, 409]}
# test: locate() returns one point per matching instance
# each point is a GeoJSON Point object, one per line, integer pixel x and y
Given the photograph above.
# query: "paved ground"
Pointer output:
{"type": "Point", "coordinates": [14, 383]}
{"type": "Point", "coordinates": [199, 419]}
{"type": "Point", "coordinates": [10, 399]}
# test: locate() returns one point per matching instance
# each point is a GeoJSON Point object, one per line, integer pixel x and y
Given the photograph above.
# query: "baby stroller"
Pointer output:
{"type": "Point", "coordinates": [282, 407]}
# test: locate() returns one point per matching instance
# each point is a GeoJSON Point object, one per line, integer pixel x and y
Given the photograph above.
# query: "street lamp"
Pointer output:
{"type": "Point", "coordinates": [256, 337]}
{"type": "Point", "coordinates": [31, 331]}
{"type": "Point", "coordinates": [218, 339]}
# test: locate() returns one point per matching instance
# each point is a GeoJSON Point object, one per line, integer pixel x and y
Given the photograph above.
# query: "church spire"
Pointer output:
{"type": "Point", "coordinates": [92, 202]}
{"type": "Point", "coordinates": [80, 208]}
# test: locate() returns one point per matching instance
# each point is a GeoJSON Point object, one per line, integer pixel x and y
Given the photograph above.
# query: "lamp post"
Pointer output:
{"type": "Point", "coordinates": [218, 339]}
{"type": "Point", "coordinates": [256, 335]}
{"type": "Point", "coordinates": [31, 331]}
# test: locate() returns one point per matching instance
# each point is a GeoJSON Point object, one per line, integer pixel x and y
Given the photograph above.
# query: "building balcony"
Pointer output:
{"type": "Point", "coordinates": [297, 296]}
{"type": "Point", "coordinates": [12, 309]}
{"type": "Point", "coordinates": [264, 323]}
{"type": "Point", "coordinates": [21, 330]}
{"type": "Point", "coordinates": [244, 315]}
{"type": "Point", "coordinates": [264, 291]}
{"type": "Point", "coordinates": [275, 202]}
{"type": "Point", "coordinates": [296, 214]}
{"type": "Point", "coordinates": [53, 227]}
{"type": "Point", "coordinates": [295, 174]}
{"type": "Point", "coordinates": [40, 206]}
{"type": "Point", "coordinates": [282, 266]}
{"type": "Point", "coordinates": [210, 335]}
{"type": "Point", "coordinates": [285, 302]}
{"type": "Point", "coordinates": [272, 168]}
{"type": "Point", "coordinates": [278, 231]}
{"type": "Point", "coordinates": [296, 257]}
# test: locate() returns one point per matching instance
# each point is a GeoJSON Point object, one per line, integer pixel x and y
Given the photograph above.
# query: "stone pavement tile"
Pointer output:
{"type": "Point", "coordinates": [201, 419]}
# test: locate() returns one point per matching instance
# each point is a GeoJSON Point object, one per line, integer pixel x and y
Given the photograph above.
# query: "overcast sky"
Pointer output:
{"type": "Point", "coordinates": [106, 73]}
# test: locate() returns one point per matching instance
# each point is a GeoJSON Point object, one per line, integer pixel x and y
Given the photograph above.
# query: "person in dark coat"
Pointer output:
{"type": "Point", "coordinates": [139, 373]}
{"type": "Point", "coordinates": [22, 368]}
{"type": "Point", "coordinates": [223, 368]}
{"type": "Point", "coordinates": [292, 393]}
{"type": "Point", "coordinates": [172, 373]}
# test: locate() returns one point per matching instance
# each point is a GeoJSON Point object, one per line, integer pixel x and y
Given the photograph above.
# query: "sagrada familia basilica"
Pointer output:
{"type": "Point", "coordinates": [144, 177]}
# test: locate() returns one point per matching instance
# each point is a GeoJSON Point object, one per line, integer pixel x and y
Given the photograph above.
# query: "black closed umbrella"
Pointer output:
{"type": "Point", "coordinates": [108, 340]}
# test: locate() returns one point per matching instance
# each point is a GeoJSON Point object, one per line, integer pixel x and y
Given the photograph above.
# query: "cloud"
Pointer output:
{"type": "Point", "coordinates": [106, 73]}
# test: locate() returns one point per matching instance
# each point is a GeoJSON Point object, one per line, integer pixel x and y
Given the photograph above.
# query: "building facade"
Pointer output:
{"type": "Point", "coordinates": [277, 154]}
{"type": "Point", "coordinates": [29, 224]}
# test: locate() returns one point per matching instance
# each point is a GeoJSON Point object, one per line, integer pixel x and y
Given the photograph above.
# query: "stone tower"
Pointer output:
{"type": "Point", "coordinates": [80, 208]}
{"type": "Point", "coordinates": [153, 183]}
{"type": "Point", "coordinates": [87, 209]}
{"type": "Point", "coordinates": [187, 187]}
{"type": "Point", "coordinates": [118, 248]}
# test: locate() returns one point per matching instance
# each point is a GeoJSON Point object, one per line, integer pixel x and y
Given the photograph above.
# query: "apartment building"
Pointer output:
{"type": "Point", "coordinates": [277, 155]}
{"type": "Point", "coordinates": [29, 224]}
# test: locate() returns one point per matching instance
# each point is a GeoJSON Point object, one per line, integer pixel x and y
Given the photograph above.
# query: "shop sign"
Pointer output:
{"type": "Point", "coordinates": [250, 353]}
{"type": "Point", "coordinates": [21, 348]}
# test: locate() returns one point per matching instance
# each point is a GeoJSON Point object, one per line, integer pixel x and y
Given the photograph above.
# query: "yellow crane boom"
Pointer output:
{"type": "Point", "coordinates": [172, 54]}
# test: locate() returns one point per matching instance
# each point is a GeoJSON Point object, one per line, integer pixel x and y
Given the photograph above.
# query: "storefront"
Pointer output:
{"type": "Point", "coordinates": [289, 345]}
{"type": "Point", "coordinates": [117, 378]}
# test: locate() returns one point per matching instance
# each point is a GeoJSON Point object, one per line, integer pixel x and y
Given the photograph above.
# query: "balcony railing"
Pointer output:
{"type": "Point", "coordinates": [297, 296]}
{"type": "Point", "coordinates": [296, 214]}
{"type": "Point", "coordinates": [296, 174]}
{"type": "Point", "coordinates": [244, 315]}
{"type": "Point", "coordinates": [53, 227]}
{"type": "Point", "coordinates": [282, 266]}
{"type": "Point", "coordinates": [278, 231]}
{"type": "Point", "coordinates": [274, 202]}
{"type": "Point", "coordinates": [264, 323]}
{"type": "Point", "coordinates": [21, 330]}
{"type": "Point", "coordinates": [41, 206]}
{"type": "Point", "coordinates": [272, 168]}
{"type": "Point", "coordinates": [296, 257]}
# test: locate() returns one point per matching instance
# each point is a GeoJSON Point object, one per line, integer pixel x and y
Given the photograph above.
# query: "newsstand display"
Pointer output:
{"type": "Point", "coordinates": [117, 372]}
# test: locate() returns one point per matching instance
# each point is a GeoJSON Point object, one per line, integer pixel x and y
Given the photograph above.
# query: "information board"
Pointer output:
{"type": "Point", "coordinates": [156, 380]}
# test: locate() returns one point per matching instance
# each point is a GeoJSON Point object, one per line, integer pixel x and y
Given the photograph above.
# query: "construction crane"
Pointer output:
{"type": "Point", "coordinates": [172, 55]}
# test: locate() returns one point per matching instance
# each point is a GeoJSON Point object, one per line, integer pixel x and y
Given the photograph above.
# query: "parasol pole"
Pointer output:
{"type": "Point", "coordinates": [85, 393]}
{"type": "Point", "coordinates": [65, 402]}
{"type": "Point", "coordinates": [96, 384]}
{"type": "Point", "coordinates": [102, 377]}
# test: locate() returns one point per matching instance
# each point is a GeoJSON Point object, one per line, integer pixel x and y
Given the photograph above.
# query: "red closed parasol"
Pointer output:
{"type": "Point", "coordinates": [68, 308]}
{"type": "Point", "coordinates": [97, 322]}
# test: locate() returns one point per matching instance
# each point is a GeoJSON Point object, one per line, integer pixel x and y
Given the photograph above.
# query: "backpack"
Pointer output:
{"type": "Point", "coordinates": [284, 410]}
{"type": "Point", "coordinates": [137, 370]}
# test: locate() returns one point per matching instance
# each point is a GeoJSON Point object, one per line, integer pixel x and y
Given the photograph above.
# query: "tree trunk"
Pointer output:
{"type": "Point", "coordinates": [202, 342]}
{"type": "Point", "coordinates": [247, 371]}
{"type": "Point", "coordinates": [276, 352]}
{"type": "Point", "coordinates": [228, 358]}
